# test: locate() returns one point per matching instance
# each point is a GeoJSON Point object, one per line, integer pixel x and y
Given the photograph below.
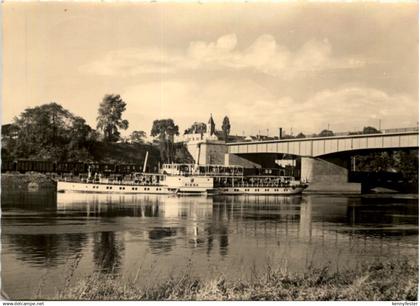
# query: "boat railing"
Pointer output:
{"type": "Point", "coordinates": [112, 182]}
{"type": "Point", "coordinates": [258, 185]}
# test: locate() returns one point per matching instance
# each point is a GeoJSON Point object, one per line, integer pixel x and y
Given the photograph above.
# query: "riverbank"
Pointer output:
{"type": "Point", "coordinates": [30, 181]}
{"type": "Point", "coordinates": [393, 280]}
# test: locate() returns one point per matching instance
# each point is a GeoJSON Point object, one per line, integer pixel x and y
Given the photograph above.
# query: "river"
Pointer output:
{"type": "Point", "coordinates": [48, 236]}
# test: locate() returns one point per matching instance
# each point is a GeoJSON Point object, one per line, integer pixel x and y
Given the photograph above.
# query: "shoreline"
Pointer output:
{"type": "Point", "coordinates": [35, 181]}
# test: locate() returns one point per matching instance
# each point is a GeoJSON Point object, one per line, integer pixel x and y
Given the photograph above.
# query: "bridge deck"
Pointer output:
{"type": "Point", "coordinates": [318, 146]}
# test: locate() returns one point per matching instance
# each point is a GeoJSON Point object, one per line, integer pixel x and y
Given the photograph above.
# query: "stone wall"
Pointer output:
{"type": "Point", "coordinates": [207, 152]}
{"type": "Point", "coordinates": [31, 181]}
{"type": "Point", "coordinates": [213, 153]}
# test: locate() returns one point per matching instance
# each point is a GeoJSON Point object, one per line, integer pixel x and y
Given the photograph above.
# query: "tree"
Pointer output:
{"type": "Point", "coordinates": [9, 131]}
{"type": "Point", "coordinates": [9, 134]}
{"type": "Point", "coordinates": [402, 161]}
{"type": "Point", "coordinates": [196, 128]}
{"type": "Point", "coordinates": [81, 133]}
{"type": "Point", "coordinates": [407, 162]}
{"type": "Point", "coordinates": [50, 132]}
{"type": "Point", "coordinates": [370, 130]}
{"type": "Point", "coordinates": [300, 135]}
{"type": "Point", "coordinates": [165, 129]}
{"type": "Point", "coordinates": [82, 138]}
{"type": "Point", "coordinates": [326, 133]}
{"type": "Point", "coordinates": [109, 117]}
{"type": "Point", "coordinates": [137, 136]}
{"type": "Point", "coordinates": [226, 127]}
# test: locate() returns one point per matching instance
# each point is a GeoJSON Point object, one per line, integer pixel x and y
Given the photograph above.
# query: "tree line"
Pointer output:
{"type": "Point", "coordinates": [51, 132]}
{"type": "Point", "coordinates": [329, 133]}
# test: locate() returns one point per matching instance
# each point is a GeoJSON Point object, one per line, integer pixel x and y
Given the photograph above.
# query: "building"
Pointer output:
{"type": "Point", "coordinates": [209, 134]}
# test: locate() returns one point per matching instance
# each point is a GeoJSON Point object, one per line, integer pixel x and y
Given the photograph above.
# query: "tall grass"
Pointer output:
{"type": "Point", "coordinates": [396, 279]}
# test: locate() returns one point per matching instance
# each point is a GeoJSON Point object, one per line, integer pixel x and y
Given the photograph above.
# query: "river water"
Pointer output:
{"type": "Point", "coordinates": [151, 237]}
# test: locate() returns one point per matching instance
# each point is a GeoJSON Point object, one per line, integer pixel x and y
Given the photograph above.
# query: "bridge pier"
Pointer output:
{"type": "Point", "coordinates": [325, 175]}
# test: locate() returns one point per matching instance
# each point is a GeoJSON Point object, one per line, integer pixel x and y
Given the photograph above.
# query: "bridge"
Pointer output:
{"type": "Point", "coordinates": [319, 146]}
{"type": "Point", "coordinates": [324, 161]}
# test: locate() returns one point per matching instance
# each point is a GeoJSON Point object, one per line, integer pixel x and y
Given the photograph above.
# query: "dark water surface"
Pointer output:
{"type": "Point", "coordinates": [149, 237]}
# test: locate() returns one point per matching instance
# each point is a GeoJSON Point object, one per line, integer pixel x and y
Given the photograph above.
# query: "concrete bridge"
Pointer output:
{"type": "Point", "coordinates": [324, 161]}
{"type": "Point", "coordinates": [319, 146]}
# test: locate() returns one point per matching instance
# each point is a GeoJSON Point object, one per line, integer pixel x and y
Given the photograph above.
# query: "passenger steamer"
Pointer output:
{"type": "Point", "coordinates": [232, 180]}
{"type": "Point", "coordinates": [140, 183]}
{"type": "Point", "coordinates": [175, 182]}
{"type": "Point", "coordinates": [189, 179]}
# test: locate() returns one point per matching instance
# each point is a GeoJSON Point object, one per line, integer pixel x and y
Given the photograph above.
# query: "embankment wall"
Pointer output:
{"type": "Point", "coordinates": [26, 182]}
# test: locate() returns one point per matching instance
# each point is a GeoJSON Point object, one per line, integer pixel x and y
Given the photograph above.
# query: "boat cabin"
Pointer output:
{"type": "Point", "coordinates": [206, 170]}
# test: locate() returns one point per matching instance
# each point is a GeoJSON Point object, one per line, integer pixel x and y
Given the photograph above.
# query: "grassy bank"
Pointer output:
{"type": "Point", "coordinates": [124, 153]}
{"type": "Point", "coordinates": [134, 153]}
{"type": "Point", "coordinates": [393, 280]}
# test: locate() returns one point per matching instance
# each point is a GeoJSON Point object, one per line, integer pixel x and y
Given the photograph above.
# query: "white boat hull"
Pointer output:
{"type": "Point", "coordinates": [190, 184]}
{"type": "Point", "coordinates": [179, 185]}
{"type": "Point", "coordinates": [291, 190]}
{"type": "Point", "coordinates": [63, 186]}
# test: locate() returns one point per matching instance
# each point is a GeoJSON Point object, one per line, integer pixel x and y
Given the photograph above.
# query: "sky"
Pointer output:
{"type": "Point", "coordinates": [300, 66]}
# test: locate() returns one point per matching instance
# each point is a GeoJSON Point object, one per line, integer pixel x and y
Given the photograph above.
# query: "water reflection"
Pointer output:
{"type": "Point", "coordinates": [105, 205]}
{"type": "Point", "coordinates": [218, 228]}
{"type": "Point", "coordinates": [115, 232]}
{"type": "Point", "coordinates": [305, 221]}
{"type": "Point", "coordinates": [45, 249]}
{"type": "Point", "coordinates": [160, 239]}
{"type": "Point", "coordinates": [37, 201]}
{"type": "Point", "coordinates": [107, 252]}
{"type": "Point", "coordinates": [28, 226]}
{"type": "Point", "coordinates": [209, 218]}
{"type": "Point", "coordinates": [383, 217]}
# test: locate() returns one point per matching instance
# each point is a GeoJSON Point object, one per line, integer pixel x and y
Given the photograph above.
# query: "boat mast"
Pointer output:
{"type": "Point", "coordinates": [145, 161]}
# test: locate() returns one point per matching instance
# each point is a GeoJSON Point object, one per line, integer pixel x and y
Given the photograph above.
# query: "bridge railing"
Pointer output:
{"type": "Point", "coordinates": [401, 130]}
{"type": "Point", "coordinates": [348, 133]}
{"type": "Point", "coordinates": [382, 131]}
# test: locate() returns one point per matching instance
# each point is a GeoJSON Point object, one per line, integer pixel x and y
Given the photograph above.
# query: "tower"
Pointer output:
{"type": "Point", "coordinates": [211, 126]}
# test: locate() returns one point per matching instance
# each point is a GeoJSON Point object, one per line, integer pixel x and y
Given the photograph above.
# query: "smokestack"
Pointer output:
{"type": "Point", "coordinates": [197, 162]}
{"type": "Point", "coordinates": [280, 133]}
